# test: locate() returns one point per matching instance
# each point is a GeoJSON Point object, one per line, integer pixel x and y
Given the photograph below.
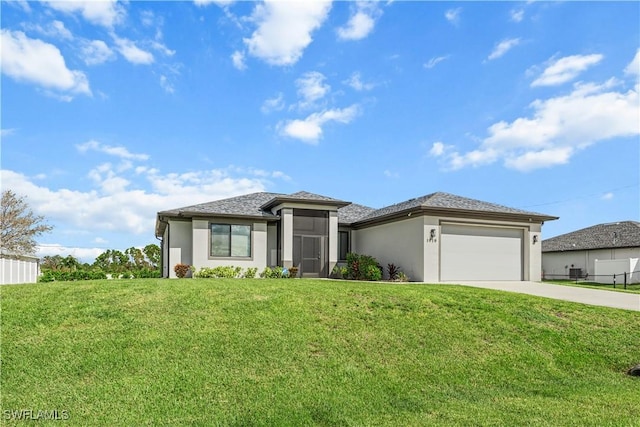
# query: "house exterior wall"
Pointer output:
{"type": "Point", "coordinates": [18, 270]}
{"type": "Point", "coordinates": [202, 243]}
{"type": "Point", "coordinates": [557, 264]}
{"type": "Point", "coordinates": [180, 245]}
{"type": "Point", "coordinates": [408, 244]}
{"type": "Point", "coordinates": [400, 243]}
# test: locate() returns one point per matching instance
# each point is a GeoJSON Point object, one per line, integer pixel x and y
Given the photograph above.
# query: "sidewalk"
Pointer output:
{"type": "Point", "coordinates": [626, 301]}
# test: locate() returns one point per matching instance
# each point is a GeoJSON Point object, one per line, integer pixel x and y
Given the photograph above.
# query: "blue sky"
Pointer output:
{"type": "Point", "coordinates": [113, 111]}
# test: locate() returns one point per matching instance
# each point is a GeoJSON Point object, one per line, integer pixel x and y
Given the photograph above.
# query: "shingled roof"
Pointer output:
{"type": "Point", "coordinates": [245, 205]}
{"type": "Point", "coordinates": [257, 205]}
{"type": "Point", "coordinates": [624, 234]}
{"type": "Point", "coordinates": [444, 201]}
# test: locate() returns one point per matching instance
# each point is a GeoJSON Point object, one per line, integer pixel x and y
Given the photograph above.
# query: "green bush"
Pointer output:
{"type": "Point", "coordinates": [272, 273]}
{"type": "Point", "coordinates": [250, 273]}
{"type": "Point", "coordinates": [363, 267]}
{"type": "Point", "coordinates": [220, 272]}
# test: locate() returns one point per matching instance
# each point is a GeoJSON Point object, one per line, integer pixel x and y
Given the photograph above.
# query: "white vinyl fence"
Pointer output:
{"type": "Point", "coordinates": [606, 269]}
{"type": "Point", "coordinates": [18, 269]}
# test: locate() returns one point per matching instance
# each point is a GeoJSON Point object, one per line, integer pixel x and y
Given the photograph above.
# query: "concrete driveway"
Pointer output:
{"type": "Point", "coordinates": [599, 297]}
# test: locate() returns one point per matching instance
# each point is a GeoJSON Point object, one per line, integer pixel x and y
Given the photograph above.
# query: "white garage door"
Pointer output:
{"type": "Point", "coordinates": [480, 253]}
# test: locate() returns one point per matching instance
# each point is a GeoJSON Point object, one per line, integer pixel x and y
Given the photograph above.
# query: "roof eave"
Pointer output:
{"type": "Point", "coordinates": [457, 213]}
{"type": "Point", "coordinates": [281, 200]}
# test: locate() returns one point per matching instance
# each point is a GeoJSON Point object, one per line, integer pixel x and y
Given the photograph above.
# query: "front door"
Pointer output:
{"type": "Point", "coordinates": [311, 256]}
{"type": "Point", "coordinates": [308, 255]}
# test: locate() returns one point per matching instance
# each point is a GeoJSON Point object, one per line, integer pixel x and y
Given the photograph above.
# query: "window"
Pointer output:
{"type": "Point", "coordinates": [343, 245]}
{"type": "Point", "coordinates": [229, 240]}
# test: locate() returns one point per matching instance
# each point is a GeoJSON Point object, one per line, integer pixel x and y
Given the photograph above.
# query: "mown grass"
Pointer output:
{"type": "Point", "coordinates": [313, 352]}
{"type": "Point", "coordinates": [631, 288]}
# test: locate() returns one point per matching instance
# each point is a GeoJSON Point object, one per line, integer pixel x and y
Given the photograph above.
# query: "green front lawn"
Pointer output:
{"type": "Point", "coordinates": [313, 352]}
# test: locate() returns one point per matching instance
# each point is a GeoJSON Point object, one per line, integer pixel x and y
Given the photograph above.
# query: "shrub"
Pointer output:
{"type": "Point", "coordinates": [181, 270]}
{"type": "Point", "coordinates": [340, 272]}
{"type": "Point", "coordinates": [402, 277]}
{"type": "Point", "coordinates": [363, 267]}
{"type": "Point", "coordinates": [393, 271]}
{"type": "Point", "coordinates": [250, 273]}
{"type": "Point", "coordinates": [372, 272]}
{"type": "Point", "coordinates": [220, 272]}
{"type": "Point", "coordinates": [272, 272]}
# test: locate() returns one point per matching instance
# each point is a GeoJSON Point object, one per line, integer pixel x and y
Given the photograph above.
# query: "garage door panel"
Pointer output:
{"type": "Point", "coordinates": [480, 253]}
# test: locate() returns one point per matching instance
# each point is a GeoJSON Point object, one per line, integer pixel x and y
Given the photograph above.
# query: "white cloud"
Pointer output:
{"type": "Point", "coordinates": [607, 196]}
{"type": "Point", "coordinates": [362, 21]}
{"type": "Point", "coordinates": [54, 29]}
{"type": "Point", "coordinates": [221, 3]}
{"type": "Point", "coordinates": [453, 15]}
{"type": "Point", "coordinates": [273, 104]}
{"type": "Point", "coordinates": [284, 29]}
{"type": "Point", "coordinates": [633, 69]}
{"type": "Point", "coordinates": [59, 29]}
{"type": "Point", "coordinates": [82, 254]}
{"type": "Point", "coordinates": [435, 61]}
{"type": "Point", "coordinates": [390, 174]}
{"type": "Point", "coordinates": [120, 151]}
{"type": "Point", "coordinates": [516, 15]}
{"type": "Point", "coordinates": [309, 130]}
{"type": "Point", "coordinates": [34, 61]}
{"type": "Point", "coordinates": [104, 12]}
{"type": "Point", "coordinates": [160, 47]}
{"type": "Point", "coordinates": [118, 202]}
{"type": "Point", "coordinates": [356, 83]}
{"type": "Point", "coordinates": [133, 53]}
{"type": "Point", "coordinates": [558, 128]}
{"type": "Point", "coordinates": [566, 69]}
{"type": "Point", "coordinates": [238, 60]}
{"type": "Point", "coordinates": [7, 132]}
{"type": "Point", "coordinates": [166, 84]}
{"type": "Point", "coordinates": [95, 52]}
{"type": "Point", "coordinates": [503, 47]}
{"type": "Point", "coordinates": [437, 149]}
{"type": "Point", "coordinates": [311, 88]}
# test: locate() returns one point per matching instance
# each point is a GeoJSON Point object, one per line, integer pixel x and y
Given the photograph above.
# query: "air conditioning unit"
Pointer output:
{"type": "Point", "coordinates": [575, 273]}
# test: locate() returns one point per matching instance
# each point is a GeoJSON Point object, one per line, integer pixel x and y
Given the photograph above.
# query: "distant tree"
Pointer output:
{"type": "Point", "coordinates": [136, 258]}
{"type": "Point", "coordinates": [71, 263]}
{"type": "Point", "coordinates": [152, 252]}
{"type": "Point", "coordinates": [19, 226]}
{"type": "Point", "coordinates": [51, 262]}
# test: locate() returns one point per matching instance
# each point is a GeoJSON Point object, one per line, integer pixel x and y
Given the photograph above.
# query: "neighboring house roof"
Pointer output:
{"type": "Point", "coordinates": [623, 234]}
{"type": "Point", "coordinates": [5, 253]}
{"type": "Point", "coordinates": [442, 203]}
{"type": "Point", "coordinates": [257, 205]}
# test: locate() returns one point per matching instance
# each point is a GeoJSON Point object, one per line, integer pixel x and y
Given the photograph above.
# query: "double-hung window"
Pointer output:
{"type": "Point", "coordinates": [230, 240]}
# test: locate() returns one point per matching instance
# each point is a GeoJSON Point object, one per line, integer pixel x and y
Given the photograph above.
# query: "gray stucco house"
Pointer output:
{"type": "Point", "coordinates": [437, 237]}
{"type": "Point", "coordinates": [574, 254]}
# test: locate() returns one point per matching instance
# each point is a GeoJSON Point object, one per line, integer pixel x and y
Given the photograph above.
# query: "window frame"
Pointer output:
{"type": "Point", "coordinates": [230, 240]}
{"type": "Point", "coordinates": [348, 234]}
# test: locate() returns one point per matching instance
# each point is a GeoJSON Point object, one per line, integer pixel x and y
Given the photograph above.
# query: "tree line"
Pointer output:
{"type": "Point", "coordinates": [132, 263]}
{"type": "Point", "coordinates": [19, 227]}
